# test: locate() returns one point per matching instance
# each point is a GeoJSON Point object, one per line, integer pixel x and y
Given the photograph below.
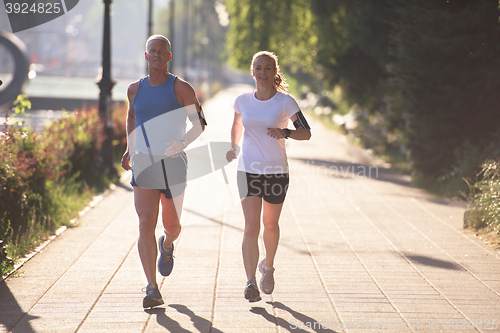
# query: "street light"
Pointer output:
{"type": "Point", "coordinates": [105, 86]}
{"type": "Point", "coordinates": [150, 25]}
{"type": "Point", "coordinates": [150, 18]}
{"type": "Point", "coordinates": [171, 33]}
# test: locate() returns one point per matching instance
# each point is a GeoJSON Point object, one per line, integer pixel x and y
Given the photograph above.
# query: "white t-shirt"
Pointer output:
{"type": "Point", "coordinates": [262, 154]}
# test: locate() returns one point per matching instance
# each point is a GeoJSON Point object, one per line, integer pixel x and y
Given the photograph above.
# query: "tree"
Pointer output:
{"type": "Point", "coordinates": [447, 57]}
{"type": "Point", "coordinates": [353, 43]}
{"type": "Point", "coordinates": [284, 27]}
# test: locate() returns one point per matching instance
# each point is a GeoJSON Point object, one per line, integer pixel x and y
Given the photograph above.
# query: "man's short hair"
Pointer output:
{"type": "Point", "coordinates": [160, 37]}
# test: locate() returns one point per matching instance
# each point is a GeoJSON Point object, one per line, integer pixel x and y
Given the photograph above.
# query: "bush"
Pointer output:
{"type": "Point", "coordinates": [47, 177]}
{"type": "Point", "coordinates": [119, 131]}
{"type": "Point", "coordinates": [75, 140]}
{"type": "Point", "coordinates": [484, 199]}
{"type": "Point", "coordinates": [22, 183]}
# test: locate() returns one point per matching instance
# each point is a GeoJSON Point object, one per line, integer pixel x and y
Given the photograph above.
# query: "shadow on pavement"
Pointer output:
{"type": "Point", "coordinates": [124, 186]}
{"type": "Point", "coordinates": [302, 321]}
{"type": "Point", "coordinates": [165, 321]}
{"type": "Point", "coordinates": [344, 170]}
{"type": "Point", "coordinates": [457, 201]}
{"type": "Point", "coordinates": [11, 313]}
{"type": "Point", "coordinates": [433, 262]}
{"type": "Point", "coordinates": [212, 219]}
{"type": "Point", "coordinates": [201, 324]}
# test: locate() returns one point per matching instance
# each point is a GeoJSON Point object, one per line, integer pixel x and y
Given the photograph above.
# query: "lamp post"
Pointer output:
{"type": "Point", "coordinates": [106, 84]}
{"type": "Point", "coordinates": [150, 24]}
{"type": "Point", "coordinates": [150, 18]}
{"type": "Point", "coordinates": [171, 33]}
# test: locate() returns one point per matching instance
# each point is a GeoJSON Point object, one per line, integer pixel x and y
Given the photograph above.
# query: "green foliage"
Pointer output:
{"type": "Point", "coordinates": [29, 164]}
{"type": "Point", "coordinates": [197, 36]}
{"type": "Point", "coordinates": [119, 143]}
{"type": "Point", "coordinates": [447, 61]}
{"type": "Point", "coordinates": [46, 178]}
{"type": "Point", "coordinates": [22, 183]}
{"type": "Point", "coordinates": [20, 105]}
{"type": "Point", "coordinates": [484, 200]}
{"type": "Point", "coordinates": [352, 46]}
{"type": "Point", "coordinates": [284, 27]}
{"type": "Point", "coordinates": [6, 266]}
{"type": "Point", "coordinates": [76, 138]}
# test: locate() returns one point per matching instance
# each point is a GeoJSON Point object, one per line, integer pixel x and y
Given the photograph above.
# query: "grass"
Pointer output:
{"type": "Point", "coordinates": [69, 205]}
{"type": "Point", "coordinates": [68, 201]}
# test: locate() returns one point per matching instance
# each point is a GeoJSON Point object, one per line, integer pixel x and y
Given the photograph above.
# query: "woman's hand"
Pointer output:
{"type": "Point", "coordinates": [276, 133]}
{"type": "Point", "coordinates": [175, 148]}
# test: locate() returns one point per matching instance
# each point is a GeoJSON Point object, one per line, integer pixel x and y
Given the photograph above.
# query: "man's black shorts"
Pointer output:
{"type": "Point", "coordinates": [165, 174]}
{"type": "Point", "coordinates": [270, 187]}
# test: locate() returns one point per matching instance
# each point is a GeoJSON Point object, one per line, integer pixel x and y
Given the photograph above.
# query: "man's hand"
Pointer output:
{"type": "Point", "coordinates": [126, 161]}
{"type": "Point", "coordinates": [231, 155]}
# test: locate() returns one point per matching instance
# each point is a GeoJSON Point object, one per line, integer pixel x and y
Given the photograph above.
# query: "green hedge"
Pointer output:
{"type": "Point", "coordinates": [47, 177]}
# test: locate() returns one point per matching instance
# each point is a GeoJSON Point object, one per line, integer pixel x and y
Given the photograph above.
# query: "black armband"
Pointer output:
{"type": "Point", "coordinates": [301, 121]}
{"type": "Point", "coordinates": [198, 116]}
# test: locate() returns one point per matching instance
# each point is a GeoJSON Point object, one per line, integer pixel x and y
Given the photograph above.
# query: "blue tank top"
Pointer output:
{"type": "Point", "coordinates": [159, 117]}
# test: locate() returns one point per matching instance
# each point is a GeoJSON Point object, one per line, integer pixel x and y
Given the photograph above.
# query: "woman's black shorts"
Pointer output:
{"type": "Point", "coordinates": [270, 187]}
{"type": "Point", "coordinates": [165, 174]}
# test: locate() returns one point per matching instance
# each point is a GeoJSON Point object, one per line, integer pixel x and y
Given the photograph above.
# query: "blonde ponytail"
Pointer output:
{"type": "Point", "coordinates": [280, 83]}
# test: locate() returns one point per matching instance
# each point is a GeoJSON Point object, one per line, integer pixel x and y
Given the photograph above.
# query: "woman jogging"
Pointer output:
{"type": "Point", "coordinates": [263, 168]}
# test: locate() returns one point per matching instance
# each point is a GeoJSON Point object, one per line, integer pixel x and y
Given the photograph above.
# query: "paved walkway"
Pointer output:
{"type": "Point", "coordinates": [361, 250]}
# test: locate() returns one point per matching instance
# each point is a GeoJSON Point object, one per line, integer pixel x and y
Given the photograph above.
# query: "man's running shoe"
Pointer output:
{"type": "Point", "coordinates": [153, 297]}
{"type": "Point", "coordinates": [166, 261]}
{"type": "Point", "coordinates": [251, 291]}
{"type": "Point", "coordinates": [267, 280]}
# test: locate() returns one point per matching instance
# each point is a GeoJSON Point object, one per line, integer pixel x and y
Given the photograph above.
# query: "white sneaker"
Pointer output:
{"type": "Point", "coordinates": [267, 280]}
